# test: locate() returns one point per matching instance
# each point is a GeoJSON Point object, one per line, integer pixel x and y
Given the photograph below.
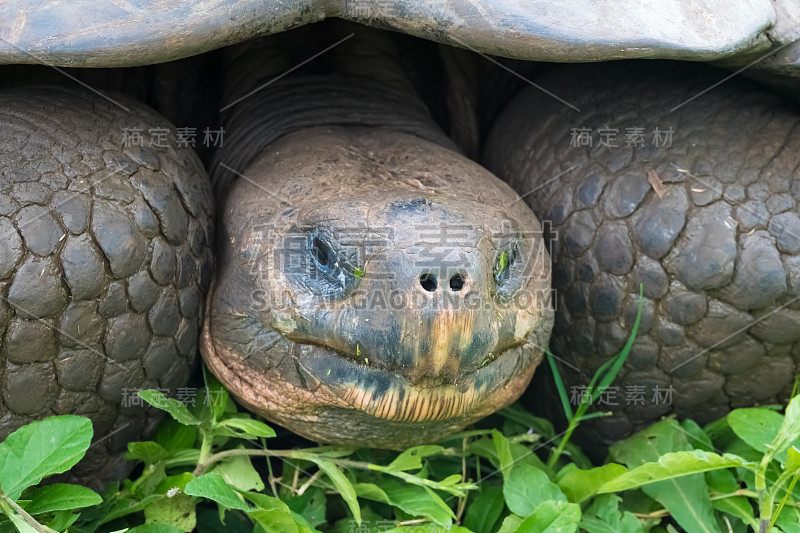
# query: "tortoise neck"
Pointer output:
{"type": "Point", "coordinates": [346, 75]}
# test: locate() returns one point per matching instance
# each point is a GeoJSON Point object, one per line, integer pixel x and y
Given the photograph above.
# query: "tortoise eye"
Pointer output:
{"type": "Point", "coordinates": [322, 252]}
{"type": "Point", "coordinates": [507, 274]}
{"type": "Point", "coordinates": [501, 266]}
{"type": "Point", "coordinates": [322, 268]}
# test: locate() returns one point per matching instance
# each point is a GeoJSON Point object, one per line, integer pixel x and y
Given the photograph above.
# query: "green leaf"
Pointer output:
{"type": "Point", "coordinates": [358, 272]}
{"type": "Point", "coordinates": [208, 521]}
{"type": "Point", "coordinates": [176, 409]}
{"type": "Point", "coordinates": [239, 472]}
{"type": "Point", "coordinates": [126, 506]}
{"type": "Point", "coordinates": [578, 485]}
{"type": "Point", "coordinates": [178, 481]}
{"type": "Point", "coordinates": [370, 491]}
{"type": "Point", "coordinates": [484, 511]}
{"type": "Point", "coordinates": [411, 459]}
{"type": "Point", "coordinates": [343, 485]}
{"type": "Point", "coordinates": [723, 483]}
{"type": "Point", "coordinates": [60, 497]}
{"type": "Point", "coordinates": [214, 487]}
{"type": "Point", "coordinates": [62, 520]}
{"type": "Point", "coordinates": [253, 428]}
{"type": "Point", "coordinates": [542, 426]}
{"type": "Point", "coordinates": [412, 499]}
{"type": "Point", "coordinates": [39, 449]}
{"type": "Point", "coordinates": [526, 488]}
{"type": "Point", "coordinates": [503, 449]}
{"type": "Point", "coordinates": [789, 520]}
{"type": "Point", "coordinates": [789, 431]}
{"type": "Point", "coordinates": [552, 517]}
{"type": "Point", "coordinates": [272, 515]}
{"type": "Point", "coordinates": [502, 453]}
{"type": "Point", "coordinates": [604, 516]}
{"type": "Point", "coordinates": [147, 484]}
{"type": "Point", "coordinates": [215, 395]}
{"type": "Point", "coordinates": [311, 505]}
{"type": "Point", "coordinates": [510, 524]}
{"type": "Point", "coordinates": [686, 498]}
{"type": "Point", "coordinates": [183, 457]}
{"type": "Point", "coordinates": [450, 481]}
{"type": "Point", "coordinates": [756, 426]}
{"type": "Point", "coordinates": [696, 437]}
{"type": "Point", "coordinates": [485, 448]}
{"type": "Point", "coordinates": [20, 524]}
{"type": "Point", "coordinates": [672, 465]}
{"type": "Point", "coordinates": [562, 391]}
{"type": "Point", "coordinates": [172, 435]}
{"type": "Point", "coordinates": [176, 511]}
{"type": "Point", "coordinates": [148, 451]}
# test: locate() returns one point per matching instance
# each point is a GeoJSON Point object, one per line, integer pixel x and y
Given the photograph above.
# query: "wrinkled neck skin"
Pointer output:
{"type": "Point", "coordinates": [374, 287]}
{"type": "Point", "coordinates": [272, 89]}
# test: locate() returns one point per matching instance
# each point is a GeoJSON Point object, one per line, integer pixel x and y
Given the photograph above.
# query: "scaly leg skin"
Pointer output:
{"type": "Point", "coordinates": [707, 222]}
{"type": "Point", "coordinates": [104, 263]}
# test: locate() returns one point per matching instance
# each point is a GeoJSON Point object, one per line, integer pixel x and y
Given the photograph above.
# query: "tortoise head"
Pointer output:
{"type": "Point", "coordinates": [377, 293]}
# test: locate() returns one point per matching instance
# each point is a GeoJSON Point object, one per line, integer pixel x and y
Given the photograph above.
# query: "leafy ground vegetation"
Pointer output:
{"type": "Point", "coordinates": [211, 468]}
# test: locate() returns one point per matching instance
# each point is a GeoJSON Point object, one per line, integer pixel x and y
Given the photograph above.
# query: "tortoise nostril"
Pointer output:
{"type": "Point", "coordinates": [456, 282]}
{"type": "Point", "coordinates": [428, 282]}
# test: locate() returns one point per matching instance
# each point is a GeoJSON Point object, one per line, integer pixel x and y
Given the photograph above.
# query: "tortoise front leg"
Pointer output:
{"type": "Point", "coordinates": [104, 263]}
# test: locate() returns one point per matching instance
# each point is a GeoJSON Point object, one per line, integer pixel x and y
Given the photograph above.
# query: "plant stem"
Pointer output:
{"type": "Point", "coordinates": [462, 501]}
{"type": "Point", "coordinates": [764, 498]}
{"type": "Point", "coordinates": [573, 423]}
{"type": "Point", "coordinates": [295, 479]}
{"type": "Point", "coordinates": [202, 466]}
{"type": "Point", "coordinates": [783, 500]}
{"type": "Point", "coordinates": [12, 509]}
{"type": "Point", "coordinates": [304, 487]}
{"type": "Point", "coordinates": [305, 456]}
{"type": "Point", "coordinates": [661, 513]}
{"type": "Point", "coordinates": [205, 449]}
{"type": "Point", "coordinates": [269, 469]}
{"type": "Point", "coordinates": [761, 473]}
{"type": "Point", "coordinates": [740, 492]}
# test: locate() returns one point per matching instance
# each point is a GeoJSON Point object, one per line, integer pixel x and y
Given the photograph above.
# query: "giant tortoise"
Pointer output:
{"type": "Point", "coordinates": [368, 283]}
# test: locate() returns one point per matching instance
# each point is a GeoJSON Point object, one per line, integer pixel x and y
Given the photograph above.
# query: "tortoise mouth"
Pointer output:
{"type": "Point", "coordinates": [329, 379]}
{"type": "Point", "coordinates": [408, 373]}
{"type": "Point", "coordinates": [384, 391]}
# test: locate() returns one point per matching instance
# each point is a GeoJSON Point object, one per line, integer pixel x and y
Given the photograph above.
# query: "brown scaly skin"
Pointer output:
{"type": "Point", "coordinates": [718, 252]}
{"type": "Point", "coordinates": [105, 258]}
{"type": "Point", "coordinates": [295, 330]}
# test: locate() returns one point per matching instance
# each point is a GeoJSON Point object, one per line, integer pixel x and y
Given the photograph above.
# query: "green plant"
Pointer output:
{"type": "Point", "coordinates": [33, 452]}
{"type": "Point", "coordinates": [209, 469]}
